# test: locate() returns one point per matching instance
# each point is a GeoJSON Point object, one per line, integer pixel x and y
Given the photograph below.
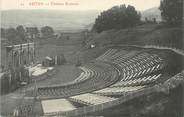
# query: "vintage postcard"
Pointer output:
{"type": "Point", "coordinates": [91, 58]}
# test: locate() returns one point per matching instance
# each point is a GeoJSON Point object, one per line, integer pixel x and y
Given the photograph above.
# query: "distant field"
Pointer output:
{"type": "Point", "coordinates": [59, 20]}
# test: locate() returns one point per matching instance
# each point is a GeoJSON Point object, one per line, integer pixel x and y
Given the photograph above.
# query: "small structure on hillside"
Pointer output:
{"type": "Point", "coordinates": [32, 32]}
{"type": "Point", "coordinates": [48, 62]}
{"type": "Point", "coordinates": [56, 60]}
{"type": "Point", "coordinates": [93, 46]}
{"type": "Point", "coordinates": [151, 20]}
{"type": "Point", "coordinates": [60, 59]}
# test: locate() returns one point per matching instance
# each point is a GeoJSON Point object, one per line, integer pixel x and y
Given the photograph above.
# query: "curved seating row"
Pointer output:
{"type": "Point", "coordinates": [124, 57]}
{"type": "Point", "coordinates": [84, 75]}
{"type": "Point", "coordinates": [91, 99]}
{"type": "Point", "coordinates": [139, 65]}
{"type": "Point", "coordinates": [118, 90]}
{"type": "Point", "coordinates": [139, 81]}
{"type": "Point", "coordinates": [115, 55]}
{"type": "Point", "coordinates": [107, 54]}
{"type": "Point", "coordinates": [102, 75]}
{"type": "Point", "coordinates": [180, 75]}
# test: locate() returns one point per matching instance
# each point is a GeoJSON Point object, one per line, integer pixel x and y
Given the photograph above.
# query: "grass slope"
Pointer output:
{"type": "Point", "coordinates": [148, 34]}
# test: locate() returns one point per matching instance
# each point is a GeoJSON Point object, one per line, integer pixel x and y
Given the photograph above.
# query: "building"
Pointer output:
{"type": "Point", "coordinates": [32, 32]}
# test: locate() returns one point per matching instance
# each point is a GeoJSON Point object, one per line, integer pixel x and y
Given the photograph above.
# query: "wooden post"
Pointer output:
{"type": "Point", "coordinates": [12, 57]}
{"type": "Point", "coordinates": [10, 80]}
{"type": "Point", "coordinates": [20, 75]}
{"type": "Point", "coordinates": [56, 60]}
{"type": "Point", "coordinates": [35, 90]}
{"type": "Point", "coordinates": [21, 51]}
{"type": "Point", "coordinates": [15, 112]}
{"type": "Point", "coordinates": [28, 53]}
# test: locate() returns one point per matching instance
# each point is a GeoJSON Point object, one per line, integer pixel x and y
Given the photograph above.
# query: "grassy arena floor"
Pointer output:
{"type": "Point", "coordinates": [64, 74]}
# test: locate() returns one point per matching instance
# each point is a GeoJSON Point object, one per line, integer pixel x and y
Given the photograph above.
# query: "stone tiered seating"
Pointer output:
{"type": "Point", "coordinates": [117, 90]}
{"type": "Point", "coordinates": [117, 55]}
{"type": "Point", "coordinates": [135, 63]}
{"type": "Point", "coordinates": [140, 65]}
{"type": "Point", "coordinates": [103, 75]}
{"type": "Point", "coordinates": [84, 75]}
{"type": "Point", "coordinates": [107, 54]}
{"type": "Point", "coordinates": [140, 81]}
{"type": "Point", "coordinates": [125, 56]}
{"type": "Point", "coordinates": [91, 99]}
{"type": "Point", "coordinates": [180, 75]}
{"type": "Point", "coordinates": [99, 74]}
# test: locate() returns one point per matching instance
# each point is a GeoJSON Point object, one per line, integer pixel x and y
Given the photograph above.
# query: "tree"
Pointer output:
{"type": "Point", "coordinates": [172, 11]}
{"type": "Point", "coordinates": [11, 33]}
{"type": "Point", "coordinates": [3, 32]}
{"type": "Point", "coordinates": [118, 17]}
{"type": "Point", "coordinates": [47, 31]}
{"type": "Point", "coordinates": [133, 17]}
{"type": "Point", "coordinates": [21, 32]}
{"type": "Point", "coordinates": [15, 36]}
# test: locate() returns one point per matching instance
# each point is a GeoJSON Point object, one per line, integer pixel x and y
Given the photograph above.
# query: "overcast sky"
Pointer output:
{"type": "Point", "coordinates": [79, 4]}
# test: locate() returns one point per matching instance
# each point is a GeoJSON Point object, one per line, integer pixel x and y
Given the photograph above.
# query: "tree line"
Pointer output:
{"type": "Point", "coordinates": [117, 17]}
{"type": "Point", "coordinates": [120, 17]}
{"type": "Point", "coordinates": [22, 34]}
{"type": "Point", "coordinates": [172, 11]}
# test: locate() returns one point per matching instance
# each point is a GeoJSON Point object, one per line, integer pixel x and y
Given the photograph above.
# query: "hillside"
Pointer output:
{"type": "Point", "coordinates": [59, 20]}
{"type": "Point", "coordinates": [148, 34]}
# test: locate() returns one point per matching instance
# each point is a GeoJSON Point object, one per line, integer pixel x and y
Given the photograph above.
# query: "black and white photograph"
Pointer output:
{"type": "Point", "coordinates": [92, 58]}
